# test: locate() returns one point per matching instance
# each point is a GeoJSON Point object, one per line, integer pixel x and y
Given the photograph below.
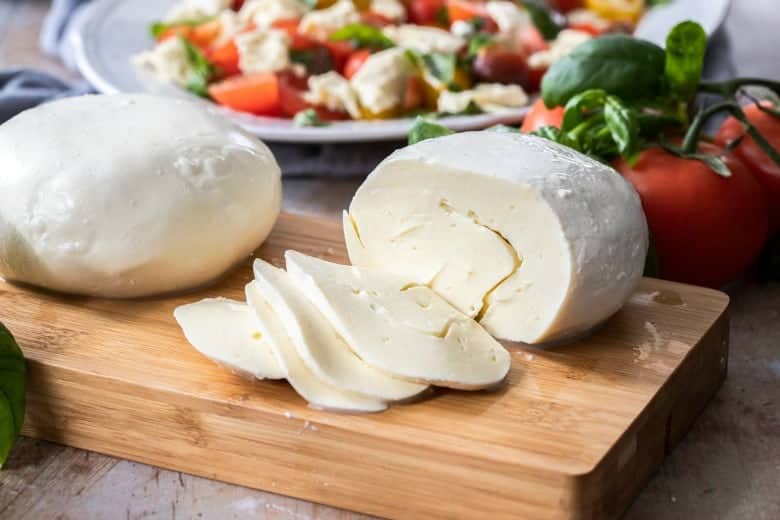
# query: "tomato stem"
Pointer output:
{"type": "Point", "coordinates": [731, 87]}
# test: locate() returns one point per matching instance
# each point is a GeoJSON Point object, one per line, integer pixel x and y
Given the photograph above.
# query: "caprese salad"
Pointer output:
{"type": "Point", "coordinates": [322, 60]}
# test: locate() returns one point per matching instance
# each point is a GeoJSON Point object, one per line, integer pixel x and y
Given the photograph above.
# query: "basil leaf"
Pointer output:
{"type": "Point", "coordinates": [622, 123]}
{"type": "Point", "coordinates": [686, 45]}
{"type": "Point", "coordinates": [13, 379]}
{"type": "Point", "coordinates": [156, 29]}
{"type": "Point", "coordinates": [202, 70]}
{"type": "Point", "coordinates": [542, 18]}
{"type": "Point", "coordinates": [623, 66]}
{"type": "Point", "coordinates": [423, 129]}
{"type": "Point", "coordinates": [578, 107]}
{"type": "Point", "coordinates": [308, 117]}
{"type": "Point", "coordinates": [440, 65]}
{"type": "Point", "coordinates": [363, 36]}
{"type": "Point", "coordinates": [555, 134]}
{"type": "Point", "coordinates": [478, 42]}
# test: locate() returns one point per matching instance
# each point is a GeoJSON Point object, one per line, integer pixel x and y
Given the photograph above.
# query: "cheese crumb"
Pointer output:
{"type": "Point", "coordinates": [263, 13]}
{"type": "Point", "coordinates": [263, 50]}
{"type": "Point", "coordinates": [334, 92]}
{"type": "Point", "coordinates": [381, 81]}
{"type": "Point", "coordinates": [321, 23]}
{"type": "Point", "coordinates": [424, 39]}
{"type": "Point", "coordinates": [567, 41]}
{"type": "Point", "coordinates": [168, 60]}
{"type": "Point", "coordinates": [490, 97]}
{"type": "Point", "coordinates": [390, 9]}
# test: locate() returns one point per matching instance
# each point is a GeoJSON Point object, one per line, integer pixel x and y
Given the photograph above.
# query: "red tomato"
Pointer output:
{"type": "Point", "coordinates": [531, 40]}
{"type": "Point", "coordinates": [425, 12]}
{"type": "Point", "coordinates": [201, 35]}
{"type": "Point", "coordinates": [465, 10]}
{"type": "Point", "coordinates": [540, 116]}
{"type": "Point", "coordinates": [566, 5]}
{"type": "Point", "coordinates": [707, 229]}
{"type": "Point", "coordinates": [499, 65]}
{"type": "Point", "coordinates": [355, 61]}
{"type": "Point", "coordinates": [375, 19]}
{"type": "Point", "coordinates": [340, 53]}
{"type": "Point", "coordinates": [297, 41]}
{"type": "Point", "coordinates": [291, 101]}
{"type": "Point", "coordinates": [255, 93]}
{"type": "Point", "coordinates": [766, 172]}
{"type": "Point", "coordinates": [587, 27]}
{"type": "Point", "coordinates": [535, 76]}
{"type": "Point", "coordinates": [236, 4]}
{"type": "Point", "coordinates": [225, 57]}
{"type": "Point", "coordinates": [413, 95]}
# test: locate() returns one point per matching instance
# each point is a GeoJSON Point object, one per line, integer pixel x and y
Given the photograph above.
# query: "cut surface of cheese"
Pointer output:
{"type": "Point", "coordinates": [408, 331]}
{"type": "Point", "coordinates": [315, 391]}
{"type": "Point", "coordinates": [227, 332]}
{"type": "Point", "coordinates": [320, 346]}
{"type": "Point", "coordinates": [537, 242]}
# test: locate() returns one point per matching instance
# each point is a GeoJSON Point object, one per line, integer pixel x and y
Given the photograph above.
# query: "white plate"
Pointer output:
{"type": "Point", "coordinates": [656, 23]}
{"type": "Point", "coordinates": [112, 31]}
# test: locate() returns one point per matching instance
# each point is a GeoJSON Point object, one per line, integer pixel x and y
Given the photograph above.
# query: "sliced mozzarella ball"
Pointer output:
{"type": "Point", "coordinates": [135, 195]}
{"type": "Point", "coordinates": [318, 344]}
{"type": "Point", "coordinates": [490, 97]}
{"type": "Point", "coordinates": [193, 10]}
{"type": "Point", "coordinates": [410, 332]}
{"type": "Point", "coordinates": [169, 61]}
{"type": "Point", "coordinates": [318, 393]}
{"type": "Point", "coordinates": [566, 41]}
{"type": "Point", "coordinates": [424, 39]}
{"type": "Point", "coordinates": [263, 13]}
{"type": "Point", "coordinates": [321, 23]}
{"type": "Point", "coordinates": [333, 91]}
{"type": "Point", "coordinates": [227, 332]}
{"type": "Point", "coordinates": [536, 241]}
{"type": "Point", "coordinates": [263, 50]}
{"type": "Point", "coordinates": [391, 9]}
{"type": "Point", "coordinates": [381, 82]}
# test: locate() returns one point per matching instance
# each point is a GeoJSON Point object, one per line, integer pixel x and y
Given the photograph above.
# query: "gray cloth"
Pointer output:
{"type": "Point", "coordinates": [21, 89]}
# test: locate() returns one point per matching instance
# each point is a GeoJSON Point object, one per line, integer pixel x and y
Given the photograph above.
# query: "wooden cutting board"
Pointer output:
{"type": "Point", "coordinates": [574, 433]}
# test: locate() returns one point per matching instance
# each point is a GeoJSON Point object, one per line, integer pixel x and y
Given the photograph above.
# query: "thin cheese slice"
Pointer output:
{"type": "Point", "coordinates": [320, 346]}
{"type": "Point", "coordinates": [227, 332]}
{"type": "Point", "coordinates": [408, 331]}
{"type": "Point", "coordinates": [304, 381]}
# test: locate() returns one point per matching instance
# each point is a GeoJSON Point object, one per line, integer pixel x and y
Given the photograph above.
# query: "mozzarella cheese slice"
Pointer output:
{"type": "Point", "coordinates": [537, 242]}
{"type": "Point", "coordinates": [227, 332]}
{"type": "Point", "coordinates": [318, 344]}
{"type": "Point", "coordinates": [407, 331]}
{"type": "Point", "coordinates": [318, 393]}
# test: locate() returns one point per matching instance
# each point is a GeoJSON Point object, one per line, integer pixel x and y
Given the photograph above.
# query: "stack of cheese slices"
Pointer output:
{"type": "Point", "coordinates": [455, 241]}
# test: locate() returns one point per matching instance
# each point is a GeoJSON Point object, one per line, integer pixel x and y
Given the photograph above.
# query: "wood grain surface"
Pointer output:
{"type": "Point", "coordinates": [574, 433]}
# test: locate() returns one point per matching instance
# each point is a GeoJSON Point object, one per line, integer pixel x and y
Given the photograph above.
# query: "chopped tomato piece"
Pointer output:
{"type": "Point", "coordinates": [225, 58]}
{"type": "Point", "coordinates": [255, 93]}
{"type": "Point", "coordinates": [236, 5]}
{"type": "Point", "coordinates": [340, 52]}
{"type": "Point", "coordinates": [413, 95]}
{"type": "Point", "coordinates": [375, 19]}
{"type": "Point", "coordinates": [201, 35]}
{"type": "Point", "coordinates": [426, 12]}
{"type": "Point", "coordinates": [535, 76]}
{"type": "Point", "coordinates": [532, 41]}
{"type": "Point", "coordinates": [566, 5]}
{"type": "Point", "coordinates": [355, 61]}
{"type": "Point", "coordinates": [298, 41]}
{"type": "Point", "coordinates": [540, 116]}
{"type": "Point", "coordinates": [465, 10]}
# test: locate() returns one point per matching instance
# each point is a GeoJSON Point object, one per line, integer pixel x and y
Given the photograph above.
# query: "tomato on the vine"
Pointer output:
{"type": "Point", "coordinates": [707, 229]}
{"type": "Point", "coordinates": [425, 12]}
{"type": "Point", "coordinates": [764, 169]}
{"type": "Point", "coordinates": [539, 116]}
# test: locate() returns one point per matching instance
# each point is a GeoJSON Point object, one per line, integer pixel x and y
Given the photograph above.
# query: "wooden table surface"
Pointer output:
{"type": "Point", "coordinates": [727, 467]}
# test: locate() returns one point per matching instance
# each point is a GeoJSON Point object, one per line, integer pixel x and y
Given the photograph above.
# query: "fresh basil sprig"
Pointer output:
{"type": "Point", "coordinates": [202, 70]}
{"type": "Point", "coordinates": [308, 117]}
{"type": "Point", "coordinates": [621, 65]}
{"type": "Point", "coordinates": [362, 36]}
{"type": "Point", "coordinates": [423, 129]}
{"type": "Point", "coordinates": [13, 379]}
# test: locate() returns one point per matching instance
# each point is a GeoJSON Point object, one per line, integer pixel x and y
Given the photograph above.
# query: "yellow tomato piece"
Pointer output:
{"type": "Point", "coordinates": [617, 10]}
{"type": "Point", "coordinates": [390, 113]}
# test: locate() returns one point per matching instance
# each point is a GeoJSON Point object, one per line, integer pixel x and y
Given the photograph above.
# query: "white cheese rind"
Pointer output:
{"type": "Point", "coordinates": [410, 332]}
{"type": "Point", "coordinates": [318, 393]}
{"type": "Point", "coordinates": [227, 332]}
{"type": "Point", "coordinates": [321, 348]}
{"type": "Point", "coordinates": [576, 227]}
{"type": "Point", "coordinates": [133, 204]}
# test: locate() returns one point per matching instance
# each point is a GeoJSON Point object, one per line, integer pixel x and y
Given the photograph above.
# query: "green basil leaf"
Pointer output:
{"type": "Point", "coordinates": [627, 67]}
{"type": "Point", "coordinates": [551, 133]}
{"type": "Point", "coordinates": [478, 42]}
{"type": "Point", "coordinates": [686, 45]}
{"type": "Point", "coordinates": [579, 106]}
{"type": "Point", "coordinates": [542, 18]}
{"type": "Point", "coordinates": [156, 29]}
{"type": "Point", "coordinates": [362, 36]}
{"type": "Point", "coordinates": [622, 123]}
{"type": "Point", "coordinates": [308, 117]}
{"type": "Point", "coordinates": [440, 65]}
{"type": "Point", "coordinates": [13, 380]}
{"type": "Point", "coordinates": [423, 129]}
{"type": "Point", "coordinates": [202, 70]}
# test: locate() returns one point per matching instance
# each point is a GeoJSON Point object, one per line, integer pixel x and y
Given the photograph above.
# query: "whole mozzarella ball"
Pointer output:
{"type": "Point", "coordinates": [130, 195]}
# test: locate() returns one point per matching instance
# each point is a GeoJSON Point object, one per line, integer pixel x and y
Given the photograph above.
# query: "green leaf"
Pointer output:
{"type": "Point", "coordinates": [623, 66]}
{"type": "Point", "coordinates": [423, 129]}
{"type": "Point", "coordinates": [156, 29]}
{"type": "Point", "coordinates": [579, 106]}
{"type": "Point", "coordinates": [622, 123]}
{"type": "Point", "coordinates": [363, 36]}
{"type": "Point", "coordinates": [308, 117]}
{"type": "Point", "coordinates": [478, 42]}
{"type": "Point", "coordinates": [440, 65]}
{"type": "Point", "coordinates": [686, 46]}
{"type": "Point", "coordinates": [202, 70]}
{"type": "Point", "coordinates": [13, 380]}
{"type": "Point", "coordinates": [542, 18]}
